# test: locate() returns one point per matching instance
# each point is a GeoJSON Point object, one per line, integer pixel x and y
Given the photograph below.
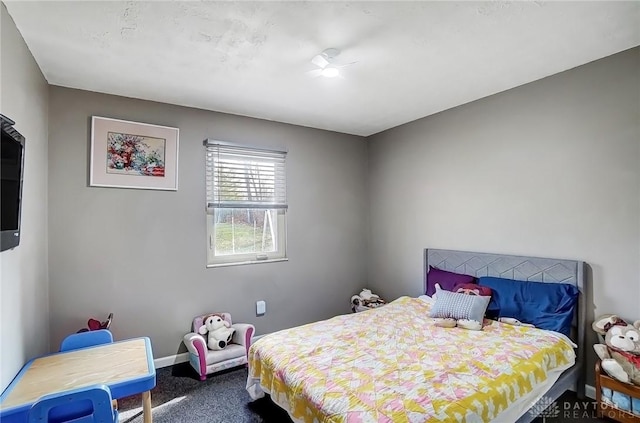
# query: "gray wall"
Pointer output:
{"type": "Point", "coordinates": [24, 298]}
{"type": "Point", "coordinates": [142, 254]}
{"type": "Point", "coordinates": [548, 169]}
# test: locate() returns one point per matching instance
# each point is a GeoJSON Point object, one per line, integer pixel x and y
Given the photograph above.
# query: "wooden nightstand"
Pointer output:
{"type": "Point", "coordinates": [604, 409]}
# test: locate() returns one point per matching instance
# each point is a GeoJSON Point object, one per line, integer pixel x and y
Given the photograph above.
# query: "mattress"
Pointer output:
{"type": "Point", "coordinates": [392, 364]}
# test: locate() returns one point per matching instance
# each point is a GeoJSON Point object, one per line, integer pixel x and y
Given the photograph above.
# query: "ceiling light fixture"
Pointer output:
{"type": "Point", "coordinates": [330, 72]}
{"type": "Point", "coordinates": [327, 64]}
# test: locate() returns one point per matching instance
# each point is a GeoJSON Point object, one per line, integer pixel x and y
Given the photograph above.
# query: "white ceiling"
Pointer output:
{"type": "Point", "coordinates": [251, 58]}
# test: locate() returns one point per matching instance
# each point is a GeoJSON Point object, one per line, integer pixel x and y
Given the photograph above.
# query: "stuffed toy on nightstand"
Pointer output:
{"type": "Point", "coordinates": [366, 300]}
{"type": "Point", "coordinates": [620, 358]}
{"type": "Point", "coordinates": [620, 353]}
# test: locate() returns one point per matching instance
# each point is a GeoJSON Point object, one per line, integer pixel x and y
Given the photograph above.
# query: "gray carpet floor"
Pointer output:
{"type": "Point", "coordinates": [180, 397]}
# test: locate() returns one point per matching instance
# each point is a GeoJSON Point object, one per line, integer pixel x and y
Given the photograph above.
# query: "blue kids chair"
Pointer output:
{"type": "Point", "coordinates": [86, 339]}
{"type": "Point", "coordinates": [91, 404]}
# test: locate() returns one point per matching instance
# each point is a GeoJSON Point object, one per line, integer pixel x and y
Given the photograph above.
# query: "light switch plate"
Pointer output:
{"type": "Point", "coordinates": [261, 307]}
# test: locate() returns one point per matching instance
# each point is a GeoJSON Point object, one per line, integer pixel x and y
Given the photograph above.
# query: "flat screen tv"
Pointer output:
{"type": "Point", "coordinates": [11, 169]}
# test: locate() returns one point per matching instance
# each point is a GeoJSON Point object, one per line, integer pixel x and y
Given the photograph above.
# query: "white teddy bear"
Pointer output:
{"type": "Point", "coordinates": [367, 295]}
{"type": "Point", "coordinates": [220, 332]}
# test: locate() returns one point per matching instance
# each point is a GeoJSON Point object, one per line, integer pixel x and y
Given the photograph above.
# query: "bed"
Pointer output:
{"type": "Point", "coordinates": [392, 364]}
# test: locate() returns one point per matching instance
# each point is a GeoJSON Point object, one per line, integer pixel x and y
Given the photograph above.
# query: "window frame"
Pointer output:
{"type": "Point", "coordinates": [280, 211]}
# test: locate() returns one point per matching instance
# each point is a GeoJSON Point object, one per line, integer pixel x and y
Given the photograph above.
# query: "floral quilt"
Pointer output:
{"type": "Point", "coordinates": [392, 364]}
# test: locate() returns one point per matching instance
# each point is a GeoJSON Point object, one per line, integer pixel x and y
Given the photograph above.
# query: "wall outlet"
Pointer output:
{"type": "Point", "coordinates": [261, 308]}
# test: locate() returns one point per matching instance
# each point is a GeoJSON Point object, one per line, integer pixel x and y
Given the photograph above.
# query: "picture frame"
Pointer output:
{"type": "Point", "coordinates": [136, 155]}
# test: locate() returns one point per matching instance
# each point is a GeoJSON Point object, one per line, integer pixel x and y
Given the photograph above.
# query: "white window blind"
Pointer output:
{"type": "Point", "coordinates": [242, 177]}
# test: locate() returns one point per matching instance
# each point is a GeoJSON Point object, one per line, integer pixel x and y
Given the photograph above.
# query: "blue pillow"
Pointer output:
{"type": "Point", "coordinates": [545, 305]}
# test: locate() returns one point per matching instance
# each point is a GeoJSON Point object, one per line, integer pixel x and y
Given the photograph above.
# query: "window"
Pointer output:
{"type": "Point", "coordinates": [246, 204]}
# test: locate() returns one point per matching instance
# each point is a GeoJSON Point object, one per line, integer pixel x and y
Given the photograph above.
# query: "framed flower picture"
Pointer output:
{"type": "Point", "coordinates": [133, 155]}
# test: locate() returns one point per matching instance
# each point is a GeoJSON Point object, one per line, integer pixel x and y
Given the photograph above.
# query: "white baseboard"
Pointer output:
{"type": "Point", "coordinates": [590, 391]}
{"type": "Point", "coordinates": [171, 360]}
{"type": "Point", "coordinates": [184, 357]}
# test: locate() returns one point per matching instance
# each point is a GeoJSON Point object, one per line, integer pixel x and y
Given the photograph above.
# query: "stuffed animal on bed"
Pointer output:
{"type": "Point", "coordinates": [473, 289]}
{"type": "Point", "coordinates": [219, 331]}
{"type": "Point", "coordinates": [620, 353]}
{"type": "Point", "coordinates": [465, 289]}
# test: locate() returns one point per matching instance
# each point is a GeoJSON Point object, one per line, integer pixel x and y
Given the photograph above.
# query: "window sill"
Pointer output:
{"type": "Point", "coordinates": [242, 263]}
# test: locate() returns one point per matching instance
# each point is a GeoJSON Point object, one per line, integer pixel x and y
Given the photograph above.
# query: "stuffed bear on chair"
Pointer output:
{"type": "Point", "coordinates": [220, 332]}
{"type": "Point", "coordinates": [206, 360]}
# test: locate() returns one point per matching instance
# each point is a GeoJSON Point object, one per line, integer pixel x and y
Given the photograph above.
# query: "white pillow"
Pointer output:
{"type": "Point", "coordinates": [459, 306]}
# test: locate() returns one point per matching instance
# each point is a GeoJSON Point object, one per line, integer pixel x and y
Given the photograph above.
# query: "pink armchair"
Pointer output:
{"type": "Point", "coordinates": [206, 361]}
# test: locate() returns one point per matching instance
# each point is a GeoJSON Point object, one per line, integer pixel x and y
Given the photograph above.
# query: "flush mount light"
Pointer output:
{"type": "Point", "coordinates": [327, 64]}
{"type": "Point", "coordinates": [330, 72]}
